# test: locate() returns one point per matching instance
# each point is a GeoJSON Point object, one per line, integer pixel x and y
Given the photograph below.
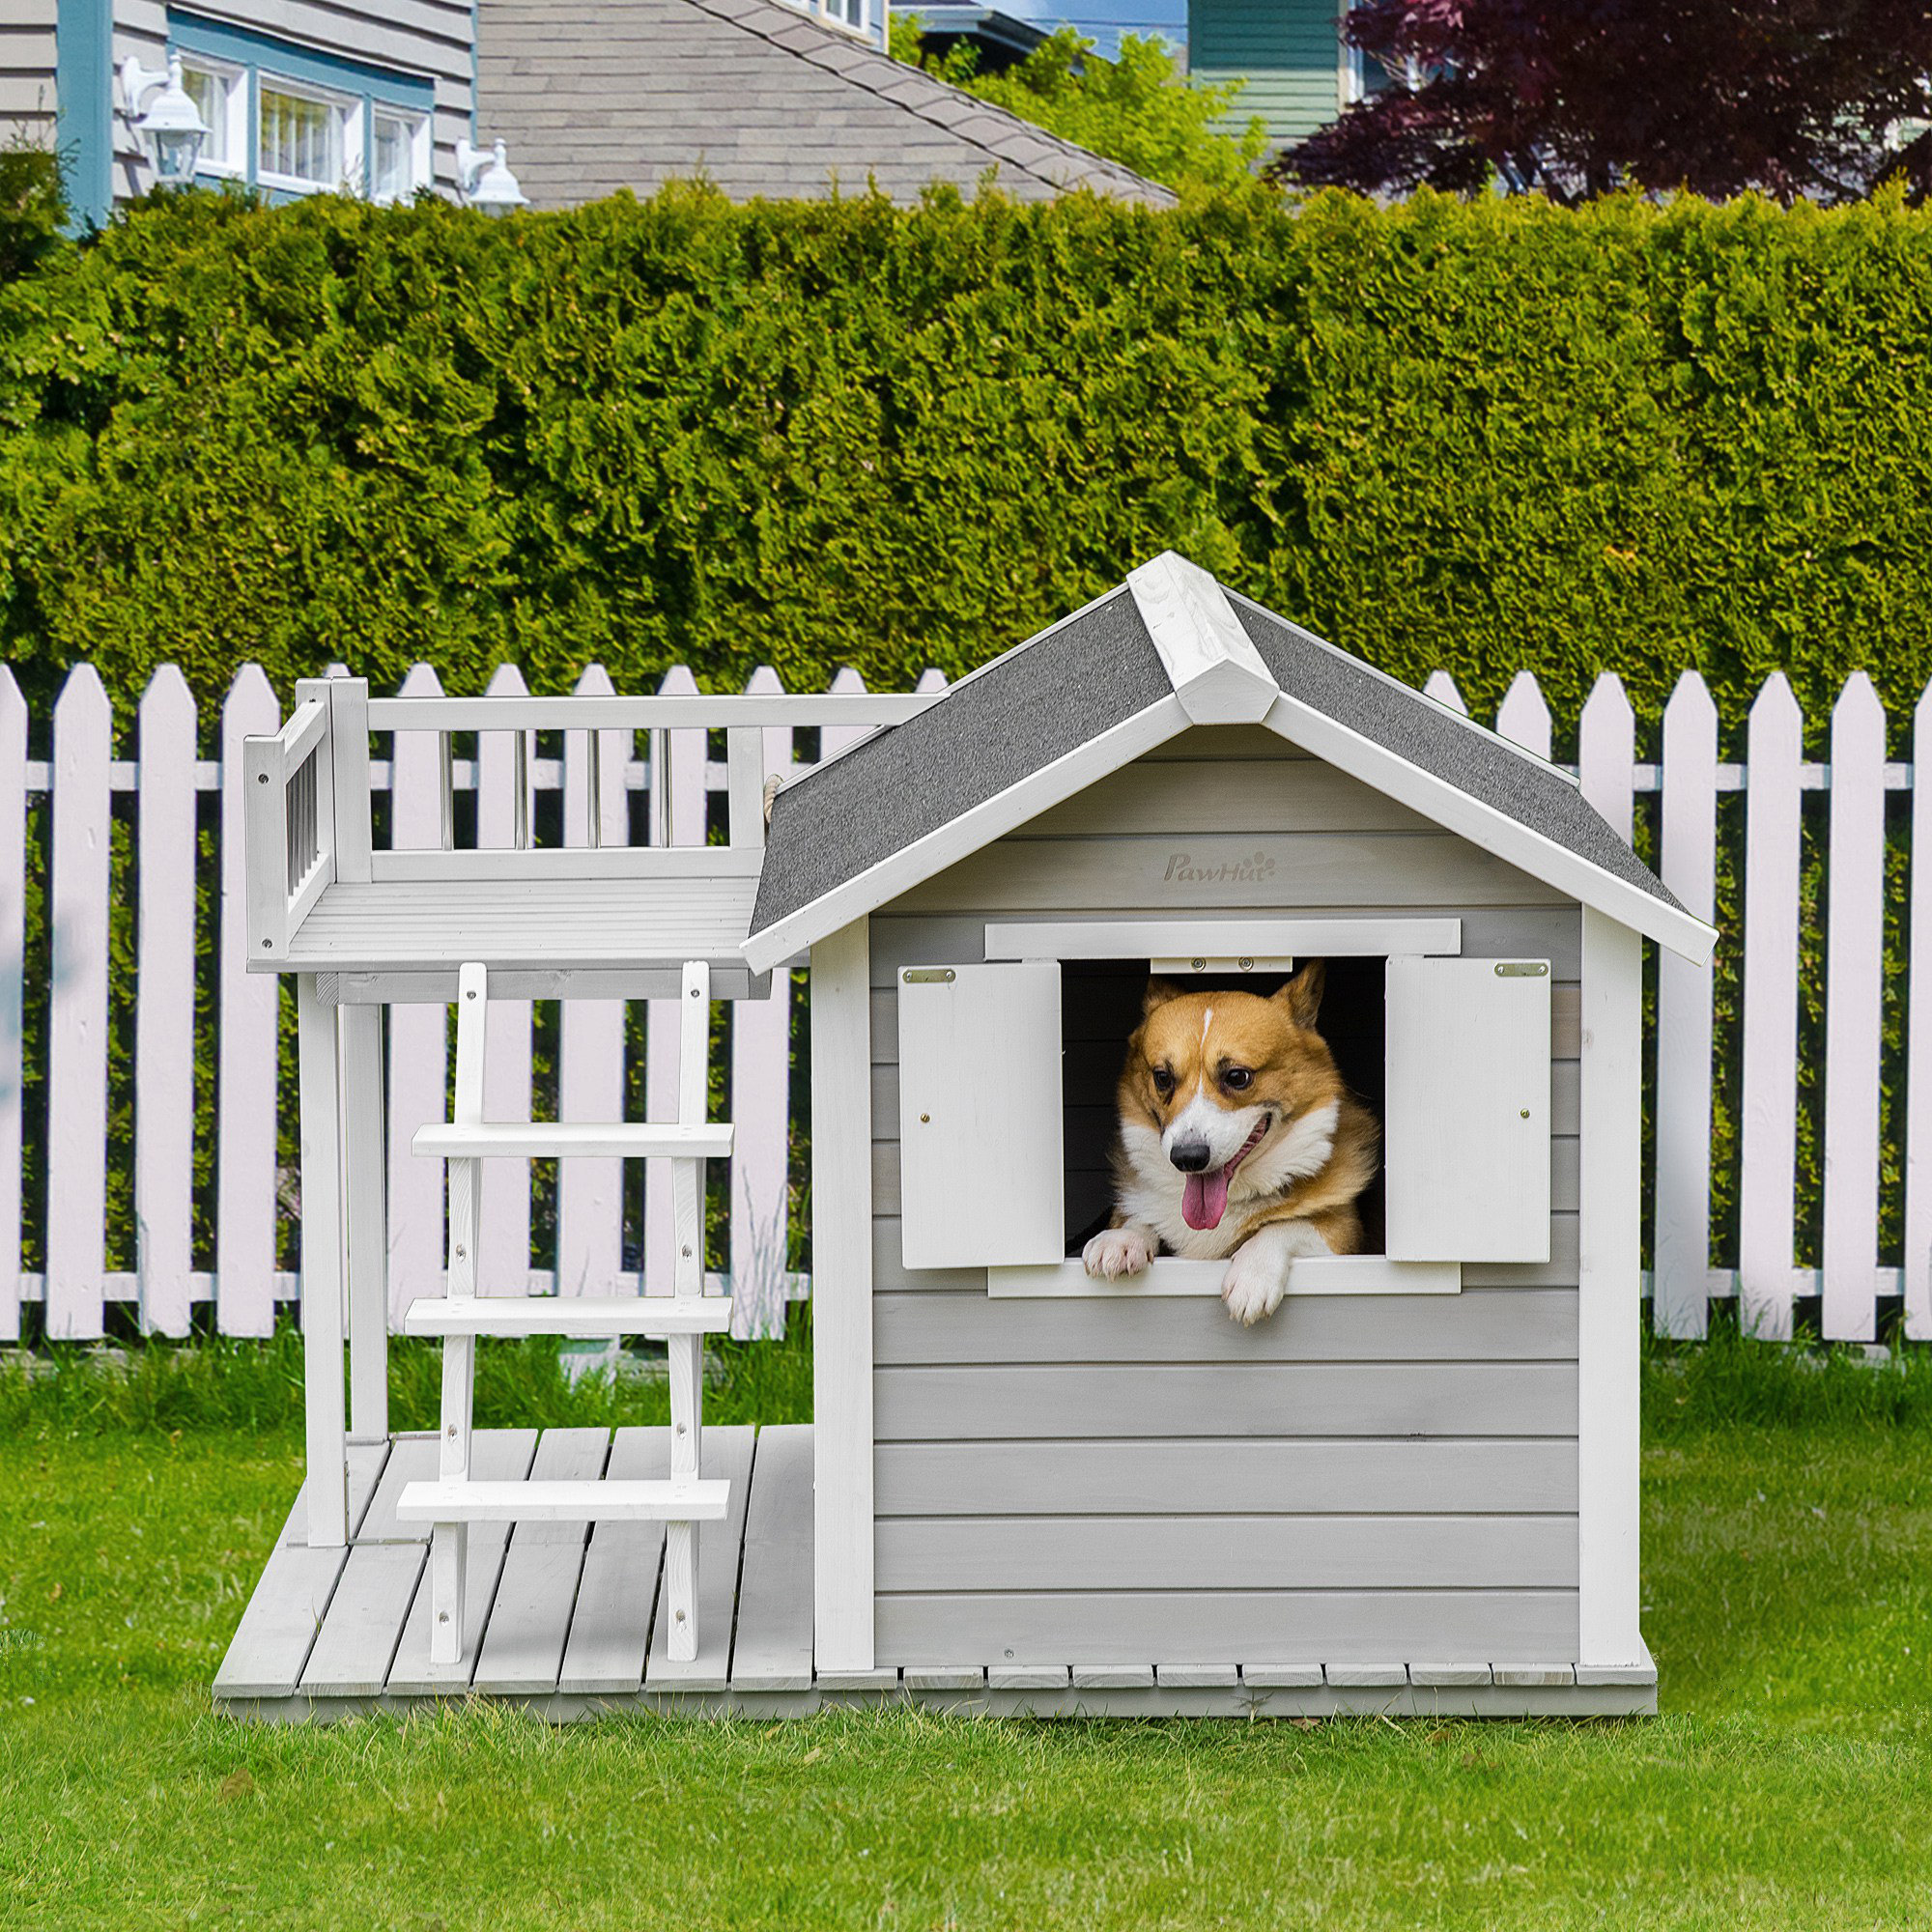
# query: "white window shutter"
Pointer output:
{"type": "Point", "coordinates": [981, 1176]}
{"type": "Point", "coordinates": [1466, 1111]}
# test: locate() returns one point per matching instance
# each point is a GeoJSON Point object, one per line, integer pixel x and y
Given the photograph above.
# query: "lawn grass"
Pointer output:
{"type": "Point", "coordinates": [1788, 1547]}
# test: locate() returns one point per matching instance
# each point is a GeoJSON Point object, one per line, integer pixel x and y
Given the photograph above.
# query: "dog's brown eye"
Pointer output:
{"type": "Point", "coordinates": [1237, 1079]}
{"type": "Point", "coordinates": [1163, 1082]}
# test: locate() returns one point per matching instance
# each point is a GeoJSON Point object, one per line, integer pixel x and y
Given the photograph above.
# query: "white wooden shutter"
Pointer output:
{"type": "Point", "coordinates": [982, 1177]}
{"type": "Point", "coordinates": [1466, 1111]}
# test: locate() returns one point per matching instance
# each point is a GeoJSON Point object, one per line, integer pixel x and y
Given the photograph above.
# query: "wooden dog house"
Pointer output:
{"type": "Point", "coordinates": [1412, 1487]}
{"type": "Point", "coordinates": [1422, 1471]}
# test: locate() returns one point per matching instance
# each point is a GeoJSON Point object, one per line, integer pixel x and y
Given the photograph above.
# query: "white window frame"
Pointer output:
{"type": "Point", "coordinates": [1180, 947]}
{"type": "Point", "coordinates": [233, 84]}
{"type": "Point", "coordinates": [352, 117]}
{"type": "Point", "coordinates": [421, 156]}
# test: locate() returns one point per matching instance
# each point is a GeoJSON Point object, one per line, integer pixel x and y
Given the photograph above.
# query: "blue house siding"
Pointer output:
{"type": "Point", "coordinates": [1288, 53]}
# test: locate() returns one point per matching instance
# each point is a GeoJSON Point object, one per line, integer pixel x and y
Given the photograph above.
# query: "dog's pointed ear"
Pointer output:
{"type": "Point", "coordinates": [1303, 994]}
{"type": "Point", "coordinates": [1158, 994]}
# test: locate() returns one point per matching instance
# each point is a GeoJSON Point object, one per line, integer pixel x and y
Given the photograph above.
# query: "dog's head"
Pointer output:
{"type": "Point", "coordinates": [1230, 1085]}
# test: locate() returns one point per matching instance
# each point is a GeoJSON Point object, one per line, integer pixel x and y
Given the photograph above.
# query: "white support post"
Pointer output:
{"type": "Point", "coordinates": [687, 1351]}
{"type": "Point", "coordinates": [322, 1268]}
{"type": "Point", "coordinates": [841, 1263]}
{"type": "Point", "coordinates": [364, 1173]}
{"type": "Point", "coordinates": [449, 1540]}
{"type": "Point", "coordinates": [1609, 1294]}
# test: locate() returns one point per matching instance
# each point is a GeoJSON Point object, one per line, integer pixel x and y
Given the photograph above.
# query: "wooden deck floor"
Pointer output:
{"type": "Point", "coordinates": [561, 1617]}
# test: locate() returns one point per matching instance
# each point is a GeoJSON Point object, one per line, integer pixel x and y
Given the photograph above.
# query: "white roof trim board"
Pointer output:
{"type": "Point", "coordinates": [1135, 667]}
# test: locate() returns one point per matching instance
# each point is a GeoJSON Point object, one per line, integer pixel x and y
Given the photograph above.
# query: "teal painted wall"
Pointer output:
{"type": "Point", "coordinates": [1289, 53]}
{"type": "Point", "coordinates": [84, 93]}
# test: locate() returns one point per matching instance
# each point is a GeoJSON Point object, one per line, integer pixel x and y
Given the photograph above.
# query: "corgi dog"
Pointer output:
{"type": "Point", "coordinates": [1238, 1141]}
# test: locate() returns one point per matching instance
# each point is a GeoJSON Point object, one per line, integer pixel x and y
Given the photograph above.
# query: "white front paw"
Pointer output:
{"type": "Point", "coordinates": [1256, 1281]}
{"type": "Point", "coordinates": [1117, 1252]}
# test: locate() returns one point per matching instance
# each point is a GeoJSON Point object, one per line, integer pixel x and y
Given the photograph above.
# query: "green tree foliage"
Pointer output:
{"type": "Point", "coordinates": [1482, 436]}
{"type": "Point", "coordinates": [1139, 109]}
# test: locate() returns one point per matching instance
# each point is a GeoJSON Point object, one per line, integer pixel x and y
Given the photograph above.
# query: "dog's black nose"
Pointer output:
{"type": "Point", "coordinates": [1189, 1156]}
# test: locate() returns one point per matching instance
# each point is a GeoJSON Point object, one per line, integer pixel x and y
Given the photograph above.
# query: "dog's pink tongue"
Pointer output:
{"type": "Point", "coordinates": [1203, 1200]}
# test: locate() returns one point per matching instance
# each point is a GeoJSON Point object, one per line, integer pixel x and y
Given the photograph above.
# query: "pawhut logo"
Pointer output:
{"type": "Point", "coordinates": [1185, 869]}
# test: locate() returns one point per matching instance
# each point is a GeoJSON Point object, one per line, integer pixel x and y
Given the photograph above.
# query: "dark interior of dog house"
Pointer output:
{"type": "Point", "coordinates": [1100, 1006]}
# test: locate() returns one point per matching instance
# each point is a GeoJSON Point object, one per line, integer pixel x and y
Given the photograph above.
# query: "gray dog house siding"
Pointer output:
{"type": "Point", "coordinates": [1420, 1457]}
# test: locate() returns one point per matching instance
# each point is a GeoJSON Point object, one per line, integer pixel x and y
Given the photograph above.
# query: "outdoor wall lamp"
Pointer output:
{"type": "Point", "coordinates": [483, 178]}
{"type": "Point", "coordinates": [171, 129]}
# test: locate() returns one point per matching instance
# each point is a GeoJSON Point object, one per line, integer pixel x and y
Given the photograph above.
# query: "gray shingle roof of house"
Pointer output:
{"type": "Point", "coordinates": [594, 95]}
{"type": "Point", "coordinates": [1435, 739]}
{"type": "Point", "coordinates": [1095, 671]}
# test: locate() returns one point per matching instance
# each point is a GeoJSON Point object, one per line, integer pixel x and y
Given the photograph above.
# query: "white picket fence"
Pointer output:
{"type": "Point", "coordinates": [240, 1274]}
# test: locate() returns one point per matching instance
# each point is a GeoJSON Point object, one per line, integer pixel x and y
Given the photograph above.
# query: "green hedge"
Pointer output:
{"type": "Point", "coordinates": [1482, 434]}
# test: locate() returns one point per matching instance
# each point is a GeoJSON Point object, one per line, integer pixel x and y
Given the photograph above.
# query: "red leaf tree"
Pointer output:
{"type": "Point", "coordinates": [1818, 99]}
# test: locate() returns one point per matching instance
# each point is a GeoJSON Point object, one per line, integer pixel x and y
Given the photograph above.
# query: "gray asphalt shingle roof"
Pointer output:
{"type": "Point", "coordinates": [1092, 672]}
{"type": "Point", "coordinates": [594, 95]}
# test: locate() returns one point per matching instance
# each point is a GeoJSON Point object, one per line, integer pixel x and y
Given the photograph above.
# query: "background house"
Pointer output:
{"type": "Point", "coordinates": [1298, 73]}
{"type": "Point", "coordinates": [762, 96]}
{"type": "Point", "coordinates": [599, 95]}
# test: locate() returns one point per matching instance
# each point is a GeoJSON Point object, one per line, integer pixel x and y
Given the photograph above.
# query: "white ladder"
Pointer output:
{"type": "Point", "coordinates": [681, 1320]}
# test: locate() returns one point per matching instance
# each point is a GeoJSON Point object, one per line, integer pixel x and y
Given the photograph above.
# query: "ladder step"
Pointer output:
{"type": "Point", "coordinates": [589, 1316]}
{"type": "Point", "coordinates": [544, 1140]}
{"type": "Point", "coordinates": [700, 1501]}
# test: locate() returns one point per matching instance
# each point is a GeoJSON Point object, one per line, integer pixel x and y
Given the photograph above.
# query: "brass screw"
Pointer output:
{"type": "Point", "coordinates": [926, 1117]}
{"type": "Point", "coordinates": [1525, 1113]}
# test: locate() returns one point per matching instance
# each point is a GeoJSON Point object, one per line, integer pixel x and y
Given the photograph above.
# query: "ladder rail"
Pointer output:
{"type": "Point", "coordinates": [453, 1501]}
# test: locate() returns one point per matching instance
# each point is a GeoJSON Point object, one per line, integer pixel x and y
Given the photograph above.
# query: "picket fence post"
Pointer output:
{"type": "Point", "coordinates": [1607, 753]}
{"type": "Point", "coordinates": [1854, 990]}
{"type": "Point", "coordinates": [1688, 866]}
{"type": "Point", "coordinates": [1523, 718]}
{"type": "Point", "coordinates": [1918, 1269]}
{"type": "Point", "coordinates": [12, 991]}
{"type": "Point", "coordinates": [761, 1113]}
{"type": "Point", "coordinates": [505, 812]}
{"type": "Point", "coordinates": [418, 1035]}
{"type": "Point", "coordinates": [164, 1003]}
{"type": "Point", "coordinates": [77, 1166]}
{"type": "Point", "coordinates": [1768, 1184]}
{"type": "Point", "coordinates": [678, 808]}
{"type": "Point", "coordinates": [246, 1049]}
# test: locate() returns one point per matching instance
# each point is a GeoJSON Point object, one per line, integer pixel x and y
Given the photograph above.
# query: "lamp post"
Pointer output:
{"type": "Point", "coordinates": [170, 127]}
{"type": "Point", "coordinates": [483, 178]}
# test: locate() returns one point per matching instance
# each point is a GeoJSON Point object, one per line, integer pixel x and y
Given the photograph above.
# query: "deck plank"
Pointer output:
{"type": "Point", "coordinates": [358, 1637]}
{"type": "Point", "coordinates": [497, 1456]}
{"type": "Point", "coordinates": [773, 1650]}
{"type": "Point", "coordinates": [728, 1453]}
{"type": "Point", "coordinates": [523, 1647]}
{"type": "Point", "coordinates": [272, 1643]}
{"type": "Point", "coordinates": [610, 1627]}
